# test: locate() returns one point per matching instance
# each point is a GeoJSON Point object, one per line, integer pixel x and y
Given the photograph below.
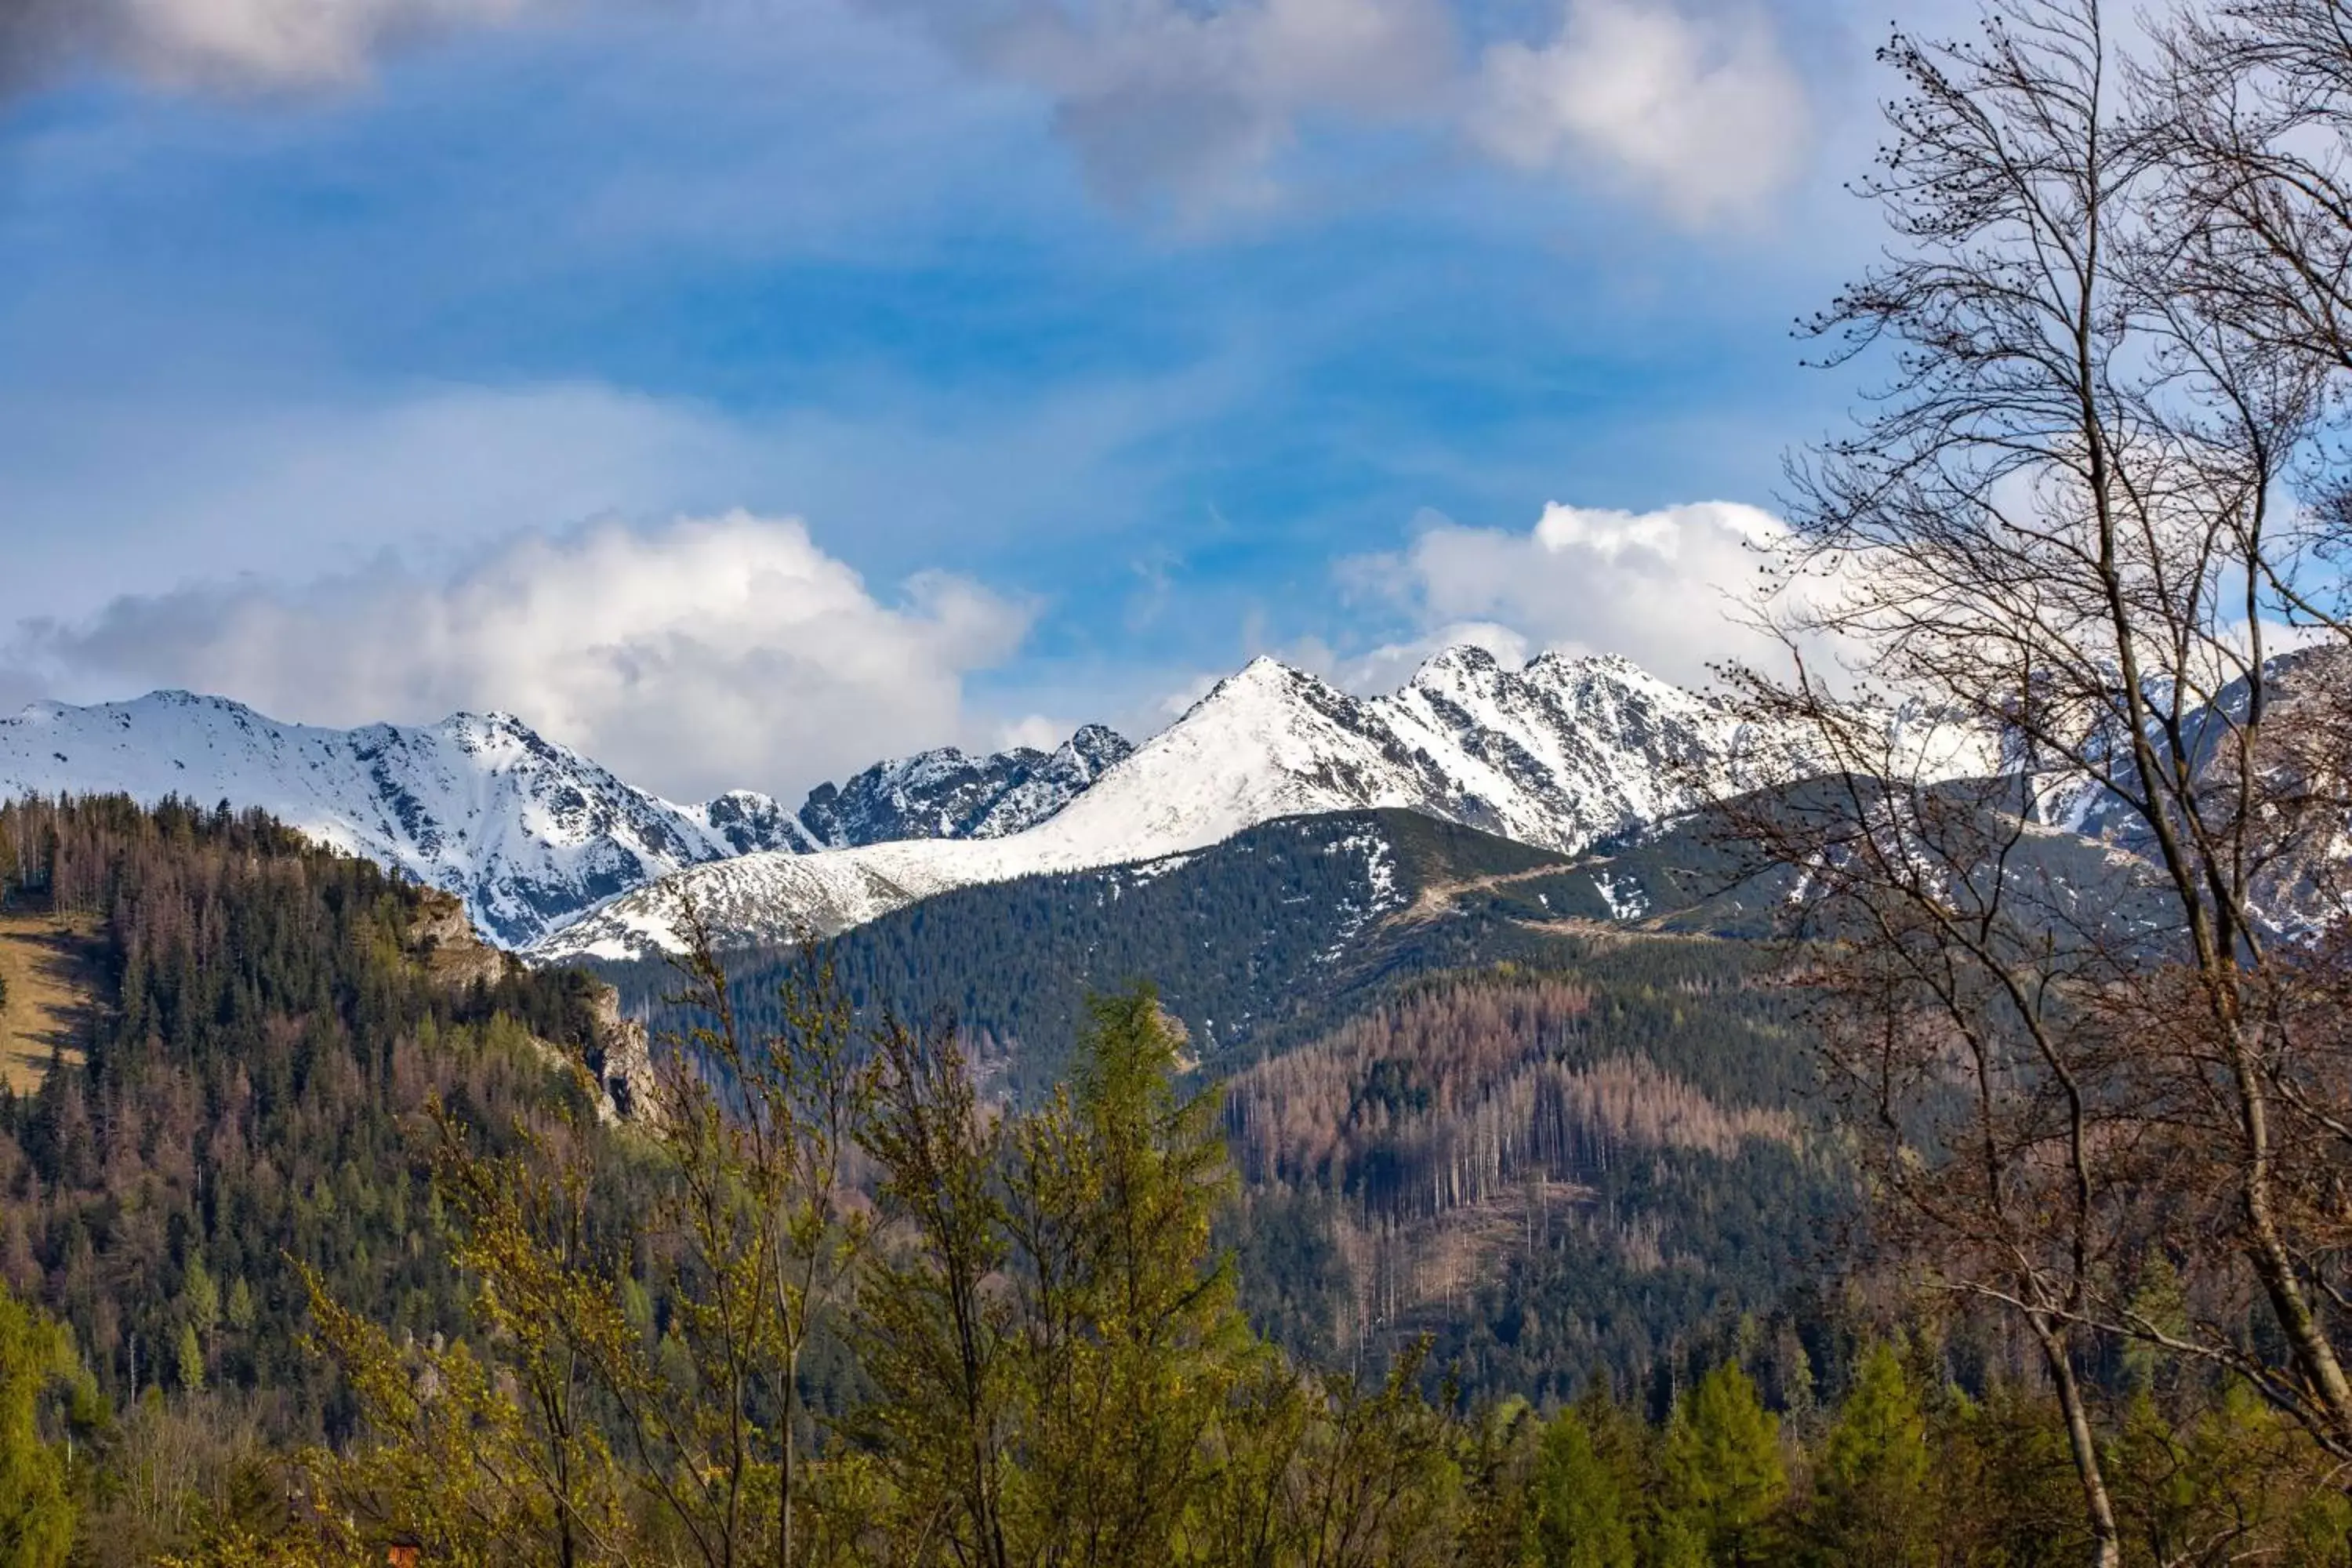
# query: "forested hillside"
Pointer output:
{"type": "Point", "coordinates": [1462, 1100]}
{"type": "Point", "coordinates": [268, 1024]}
{"type": "Point", "coordinates": [1602, 1166]}
{"type": "Point", "coordinates": [1261, 941]}
{"type": "Point", "coordinates": [328, 1246]}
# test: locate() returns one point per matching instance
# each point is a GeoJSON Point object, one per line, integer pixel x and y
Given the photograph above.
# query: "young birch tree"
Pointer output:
{"type": "Point", "coordinates": [2058, 532]}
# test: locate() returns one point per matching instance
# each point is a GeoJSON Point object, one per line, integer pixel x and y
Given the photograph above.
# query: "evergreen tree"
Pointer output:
{"type": "Point", "coordinates": [201, 1300]}
{"type": "Point", "coordinates": [1131, 1318]}
{"type": "Point", "coordinates": [1723, 1477]}
{"type": "Point", "coordinates": [1583, 1510]}
{"type": "Point", "coordinates": [37, 1514]}
{"type": "Point", "coordinates": [1870, 1505]}
{"type": "Point", "coordinates": [188, 1359]}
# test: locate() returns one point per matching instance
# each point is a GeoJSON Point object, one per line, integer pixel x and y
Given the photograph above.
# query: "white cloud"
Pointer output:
{"type": "Point", "coordinates": [1166, 104]}
{"type": "Point", "coordinates": [1674, 590]}
{"type": "Point", "coordinates": [1163, 99]}
{"type": "Point", "coordinates": [317, 487]}
{"type": "Point", "coordinates": [709, 654]}
{"type": "Point", "coordinates": [1034, 731]}
{"type": "Point", "coordinates": [1708, 116]}
{"type": "Point", "coordinates": [232, 45]}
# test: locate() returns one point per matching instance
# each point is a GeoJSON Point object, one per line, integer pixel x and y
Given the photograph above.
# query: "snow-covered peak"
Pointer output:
{"type": "Point", "coordinates": [1453, 665]}
{"type": "Point", "coordinates": [952, 793]}
{"type": "Point", "coordinates": [528, 832]}
{"type": "Point", "coordinates": [1559, 753]}
{"type": "Point", "coordinates": [531, 833]}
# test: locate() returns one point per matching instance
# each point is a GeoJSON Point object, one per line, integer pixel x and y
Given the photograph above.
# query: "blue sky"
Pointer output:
{"type": "Point", "coordinates": [744, 389]}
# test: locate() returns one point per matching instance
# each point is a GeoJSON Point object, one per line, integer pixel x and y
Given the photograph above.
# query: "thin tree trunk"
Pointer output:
{"type": "Point", "coordinates": [2099, 1509]}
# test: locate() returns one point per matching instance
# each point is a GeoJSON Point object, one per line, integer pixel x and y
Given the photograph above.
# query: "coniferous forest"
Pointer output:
{"type": "Point", "coordinates": [399, 1273]}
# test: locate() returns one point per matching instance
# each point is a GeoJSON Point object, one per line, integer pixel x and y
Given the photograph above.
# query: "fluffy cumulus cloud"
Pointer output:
{"type": "Point", "coordinates": [711, 653]}
{"type": "Point", "coordinates": [1676, 590]}
{"type": "Point", "coordinates": [1704, 114]}
{"type": "Point", "coordinates": [228, 45]}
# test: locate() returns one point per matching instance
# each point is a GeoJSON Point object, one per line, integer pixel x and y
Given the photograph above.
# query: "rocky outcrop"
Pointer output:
{"type": "Point", "coordinates": [622, 1062]}
{"type": "Point", "coordinates": [615, 1062]}
{"type": "Point", "coordinates": [445, 940]}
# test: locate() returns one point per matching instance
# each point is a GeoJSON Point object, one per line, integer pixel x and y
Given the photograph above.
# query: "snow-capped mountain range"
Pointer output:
{"type": "Point", "coordinates": [557, 856]}
{"type": "Point", "coordinates": [531, 834]}
{"type": "Point", "coordinates": [1560, 754]}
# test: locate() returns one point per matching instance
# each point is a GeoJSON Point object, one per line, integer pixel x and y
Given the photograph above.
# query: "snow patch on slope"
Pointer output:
{"type": "Point", "coordinates": [1559, 754]}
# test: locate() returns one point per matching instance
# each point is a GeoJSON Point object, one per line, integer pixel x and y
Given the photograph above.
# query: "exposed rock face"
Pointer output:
{"type": "Point", "coordinates": [623, 1061]}
{"type": "Point", "coordinates": [452, 952]}
{"type": "Point", "coordinates": [952, 793]}
{"type": "Point", "coordinates": [616, 1060]}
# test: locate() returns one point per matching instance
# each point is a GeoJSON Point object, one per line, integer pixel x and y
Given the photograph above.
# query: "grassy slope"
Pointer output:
{"type": "Point", "coordinates": [46, 978]}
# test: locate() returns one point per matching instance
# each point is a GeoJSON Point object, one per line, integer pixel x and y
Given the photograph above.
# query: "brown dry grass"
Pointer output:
{"type": "Point", "coordinates": [48, 965]}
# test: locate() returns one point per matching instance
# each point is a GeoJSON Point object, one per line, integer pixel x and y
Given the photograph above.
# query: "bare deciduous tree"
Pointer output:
{"type": "Point", "coordinates": [2059, 531]}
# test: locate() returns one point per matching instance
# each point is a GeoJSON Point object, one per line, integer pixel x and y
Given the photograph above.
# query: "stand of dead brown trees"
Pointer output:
{"type": "Point", "coordinates": [2092, 521]}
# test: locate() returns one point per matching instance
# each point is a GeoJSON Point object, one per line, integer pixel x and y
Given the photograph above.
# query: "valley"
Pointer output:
{"type": "Point", "coordinates": [1480, 994]}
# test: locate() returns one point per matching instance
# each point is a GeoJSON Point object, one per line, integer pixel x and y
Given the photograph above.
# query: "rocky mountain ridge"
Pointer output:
{"type": "Point", "coordinates": [528, 833]}
{"type": "Point", "coordinates": [1559, 754]}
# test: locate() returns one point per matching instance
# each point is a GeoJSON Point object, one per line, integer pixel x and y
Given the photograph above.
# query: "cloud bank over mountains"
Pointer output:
{"type": "Point", "coordinates": [734, 651]}
{"type": "Point", "coordinates": [1166, 105]}
{"type": "Point", "coordinates": [1676, 590]}
{"type": "Point", "coordinates": [707, 655]}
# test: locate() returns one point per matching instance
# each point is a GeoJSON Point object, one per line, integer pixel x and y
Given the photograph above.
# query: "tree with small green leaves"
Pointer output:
{"type": "Point", "coordinates": [200, 1306]}
{"type": "Point", "coordinates": [602, 1428]}
{"type": "Point", "coordinates": [242, 1311]}
{"type": "Point", "coordinates": [188, 1359]}
{"type": "Point", "coordinates": [1584, 1512]}
{"type": "Point", "coordinates": [1131, 1328]}
{"type": "Point", "coordinates": [933, 1330]}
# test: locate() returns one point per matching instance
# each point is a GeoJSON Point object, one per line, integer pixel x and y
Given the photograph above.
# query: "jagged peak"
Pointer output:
{"type": "Point", "coordinates": [1095, 746]}
{"type": "Point", "coordinates": [742, 798]}
{"type": "Point", "coordinates": [1452, 666]}
{"type": "Point", "coordinates": [494, 719]}
{"type": "Point", "coordinates": [1264, 675]}
{"type": "Point", "coordinates": [1265, 668]}
{"type": "Point", "coordinates": [1609, 669]}
{"type": "Point", "coordinates": [1456, 657]}
{"type": "Point", "coordinates": [1586, 663]}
